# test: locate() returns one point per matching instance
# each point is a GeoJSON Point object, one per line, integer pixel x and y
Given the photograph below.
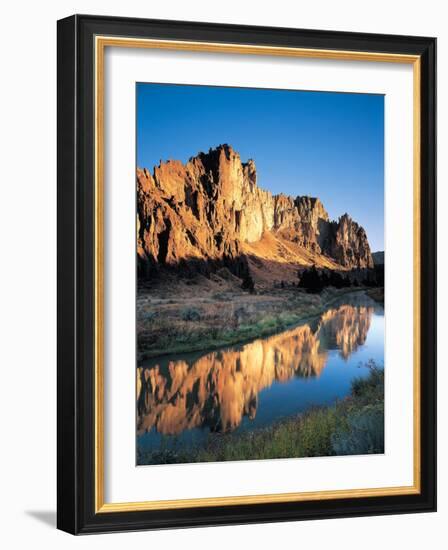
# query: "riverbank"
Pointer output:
{"type": "Point", "coordinates": [376, 294]}
{"type": "Point", "coordinates": [354, 425]}
{"type": "Point", "coordinates": [206, 314]}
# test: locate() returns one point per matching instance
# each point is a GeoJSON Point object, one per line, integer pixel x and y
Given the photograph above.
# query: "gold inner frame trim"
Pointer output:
{"type": "Point", "coordinates": [101, 42]}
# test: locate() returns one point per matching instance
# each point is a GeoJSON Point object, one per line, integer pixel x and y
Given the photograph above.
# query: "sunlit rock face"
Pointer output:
{"type": "Point", "coordinates": [347, 243]}
{"type": "Point", "coordinates": [206, 209]}
{"type": "Point", "coordinates": [219, 388]}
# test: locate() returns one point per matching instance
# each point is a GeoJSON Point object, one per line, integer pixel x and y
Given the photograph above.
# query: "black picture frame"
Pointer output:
{"type": "Point", "coordinates": [76, 286]}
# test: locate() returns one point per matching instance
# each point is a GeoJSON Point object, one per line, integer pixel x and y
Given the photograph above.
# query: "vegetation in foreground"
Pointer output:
{"type": "Point", "coordinates": [193, 318]}
{"type": "Point", "coordinates": [354, 425]}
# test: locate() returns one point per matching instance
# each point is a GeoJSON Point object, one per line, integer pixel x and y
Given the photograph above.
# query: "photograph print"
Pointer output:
{"type": "Point", "coordinates": [260, 274]}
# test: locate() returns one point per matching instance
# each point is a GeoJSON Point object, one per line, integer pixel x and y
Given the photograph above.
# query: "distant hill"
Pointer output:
{"type": "Point", "coordinates": [378, 257]}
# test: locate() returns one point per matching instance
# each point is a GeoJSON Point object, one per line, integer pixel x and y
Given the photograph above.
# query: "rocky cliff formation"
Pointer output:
{"type": "Point", "coordinates": [211, 209]}
{"type": "Point", "coordinates": [218, 389]}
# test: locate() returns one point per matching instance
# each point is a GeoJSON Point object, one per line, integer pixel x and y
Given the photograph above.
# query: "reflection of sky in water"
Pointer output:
{"type": "Point", "coordinates": [345, 338]}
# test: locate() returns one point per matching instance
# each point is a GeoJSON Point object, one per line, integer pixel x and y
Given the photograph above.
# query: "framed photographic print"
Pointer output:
{"type": "Point", "coordinates": [246, 274]}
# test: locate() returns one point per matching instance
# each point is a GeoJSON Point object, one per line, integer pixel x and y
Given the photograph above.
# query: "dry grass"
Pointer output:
{"type": "Point", "coordinates": [199, 314]}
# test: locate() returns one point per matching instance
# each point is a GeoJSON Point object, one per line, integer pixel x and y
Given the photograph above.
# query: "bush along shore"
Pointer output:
{"type": "Point", "coordinates": [354, 425]}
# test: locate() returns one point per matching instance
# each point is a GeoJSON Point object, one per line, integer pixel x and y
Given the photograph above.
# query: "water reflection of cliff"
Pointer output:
{"type": "Point", "coordinates": [345, 328]}
{"type": "Point", "coordinates": [219, 388]}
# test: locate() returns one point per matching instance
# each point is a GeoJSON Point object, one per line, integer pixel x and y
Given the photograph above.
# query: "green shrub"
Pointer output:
{"type": "Point", "coordinates": [365, 434]}
{"type": "Point", "coordinates": [190, 314]}
{"type": "Point", "coordinates": [149, 315]}
{"type": "Point", "coordinates": [370, 389]}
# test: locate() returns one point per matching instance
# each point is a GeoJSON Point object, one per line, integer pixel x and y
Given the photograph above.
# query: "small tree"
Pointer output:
{"type": "Point", "coordinates": [339, 281]}
{"type": "Point", "coordinates": [248, 283]}
{"type": "Point", "coordinates": [379, 274]}
{"type": "Point", "coordinates": [311, 280]}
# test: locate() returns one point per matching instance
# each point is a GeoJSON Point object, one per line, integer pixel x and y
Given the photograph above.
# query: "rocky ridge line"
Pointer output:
{"type": "Point", "coordinates": [207, 209]}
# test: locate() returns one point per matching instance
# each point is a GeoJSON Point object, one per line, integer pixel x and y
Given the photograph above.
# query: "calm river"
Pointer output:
{"type": "Point", "coordinates": [182, 398]}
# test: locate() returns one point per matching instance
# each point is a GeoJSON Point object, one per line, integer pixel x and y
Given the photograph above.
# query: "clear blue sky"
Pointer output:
{"type": "Point", "coordinates": [322, 144]}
